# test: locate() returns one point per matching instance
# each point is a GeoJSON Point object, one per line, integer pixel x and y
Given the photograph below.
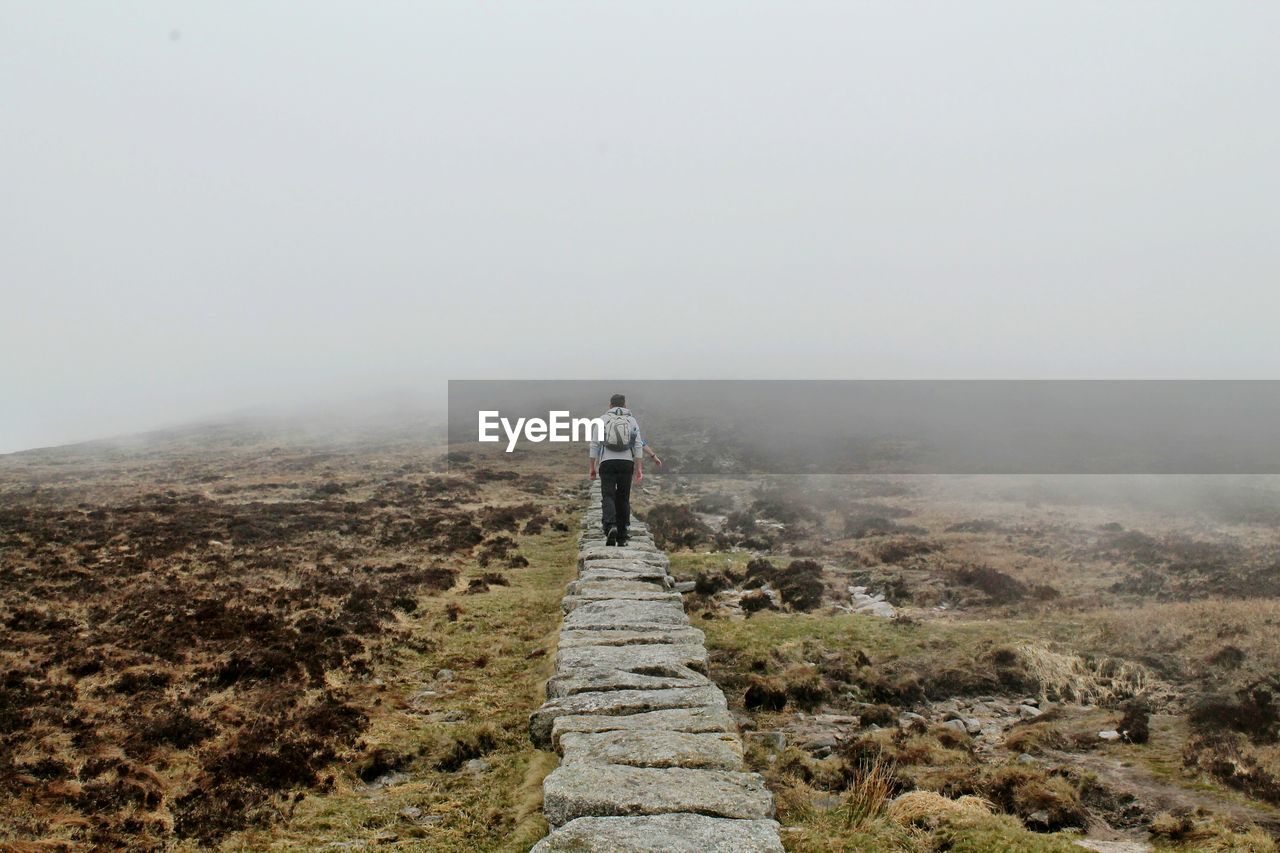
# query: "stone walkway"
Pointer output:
{"type": "Point", "coordinates": [650, 759]}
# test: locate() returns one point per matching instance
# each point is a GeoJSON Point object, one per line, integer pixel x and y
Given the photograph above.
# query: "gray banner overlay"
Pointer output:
{"type": "Point", "coordinates": [906, 427]}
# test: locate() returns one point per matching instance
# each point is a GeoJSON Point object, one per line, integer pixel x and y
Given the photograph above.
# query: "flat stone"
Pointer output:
{"type": "Point", "coordinates": [704, 719]}
{"type": "Point", "coordinates": [650, 574]}
{"type": "Point", "coordinates": [603, 790]}
{"type": "Point", "coordinates": [774, 741]}
{"type": "Point", "coordinates": [570, 603]}
{"type": "Point", "coordinates": [596, 679]}
{"type": "Point", "coordinates": [591, 586]}
{"type": "Point", "coordinates": [629, 564]}
{"type": "Point", "coordinates": [604, 552]}
{"type": "Point", "coordinates": [667, 833]}
{"type": "Point", "coordinates": [702, 751]}
{"type": "Point", "coordinates": [619, 702]}
{"type": "Point", "coordinates": [650, 657]}
{"type": "Point", "coordinates": [683, 635]}
{"type": "Point", "coordinates": [638, 542]}
{"type": "Point", "coordinates": [627, 615]}
{"type": "Point", "coordinates": [635, 539]}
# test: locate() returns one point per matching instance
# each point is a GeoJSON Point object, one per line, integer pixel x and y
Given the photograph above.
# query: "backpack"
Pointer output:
{"type": "Point", "coordinates": [617, 431]}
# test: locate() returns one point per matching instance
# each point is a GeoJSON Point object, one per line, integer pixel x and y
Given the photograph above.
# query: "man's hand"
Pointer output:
{"type": "Point", "coordinates": [639, 471]}
{"type": "Point", "coordinates": [591, 475]}
{"type": "Point", "coordinates": [657, 460]}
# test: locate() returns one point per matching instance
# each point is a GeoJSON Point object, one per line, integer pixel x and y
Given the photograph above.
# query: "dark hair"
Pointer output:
{"type": "Point", "coordinates": [617, 400]}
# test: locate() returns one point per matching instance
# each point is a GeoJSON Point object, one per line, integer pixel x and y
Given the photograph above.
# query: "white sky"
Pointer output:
{"type": "Point", "coordinates": [210, 206]}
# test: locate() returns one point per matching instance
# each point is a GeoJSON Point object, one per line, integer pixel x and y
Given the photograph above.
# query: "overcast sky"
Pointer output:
{"type": "Point", "coordinates": [212, 206]}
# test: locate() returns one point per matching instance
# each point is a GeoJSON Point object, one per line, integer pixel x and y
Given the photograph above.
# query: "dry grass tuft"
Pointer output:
{"type": "Point", "coordinates": [869, 791]}
{"type": "Point", "coordinates": [923, 808]}
{"type": "Point", "coordinates": [1209, 834]}
{"type": "Point", "coordinates": [1069, 677]}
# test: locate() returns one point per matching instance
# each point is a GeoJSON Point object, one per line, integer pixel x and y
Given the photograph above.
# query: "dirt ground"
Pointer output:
{"type": "Point", "coordinates": [254, 637]}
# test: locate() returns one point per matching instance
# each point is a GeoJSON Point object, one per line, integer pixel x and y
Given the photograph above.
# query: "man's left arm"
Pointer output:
{"type": "Point", "coordinates": [637, 450]}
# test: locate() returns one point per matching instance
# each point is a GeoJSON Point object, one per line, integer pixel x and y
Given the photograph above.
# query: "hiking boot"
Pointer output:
{"type": "Point", "coordinates": [622, 538]}
{"type": "Point", "coordinates": [611, 538]}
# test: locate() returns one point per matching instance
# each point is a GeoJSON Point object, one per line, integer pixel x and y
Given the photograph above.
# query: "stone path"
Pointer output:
{"type": "Point", "coordinates": [650, 759]}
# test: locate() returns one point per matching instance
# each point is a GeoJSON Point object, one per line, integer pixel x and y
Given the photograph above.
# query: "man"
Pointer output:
{"type": "Point", "coordinates": [619, 453]}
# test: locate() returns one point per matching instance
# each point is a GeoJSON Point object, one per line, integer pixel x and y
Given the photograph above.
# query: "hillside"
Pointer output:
{"type": "Point", "coordinates": [262, 636]}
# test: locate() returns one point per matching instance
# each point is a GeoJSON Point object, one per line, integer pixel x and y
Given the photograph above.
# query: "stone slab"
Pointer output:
{"type": "Point", "coordinates": [570, 603]}
{"type": "Point", "coordinates": [622, 564]}
{"type": "Point", "coordinates": [694, 720]}
{"type": "Point", "coordinates": [594, 586]}
{"type": "Point", "coordinates": [650, 575]}
{"type": "Point", "coordinates": [653, 748]}
{"type": "Point", "coordinates": [668, 833]}
{"type": "Point", "coordinates": [570, 639]}
{"type": "Point", "coordinates": [604, 552]}
{"type": "Point", "coordinates": [598, 679]}
{"type": "Point", "coordinates": [648, 657]}
{"type": "Point", "coordinates": [605, 790]}
{"type": "Point", "coordinates": [627, 615]}
{"type": "Point", "coordinates": [617, 703]}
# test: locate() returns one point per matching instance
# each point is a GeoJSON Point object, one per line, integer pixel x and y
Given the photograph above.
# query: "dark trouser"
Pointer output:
{"type": "Point", "coordinates": [615, 494]}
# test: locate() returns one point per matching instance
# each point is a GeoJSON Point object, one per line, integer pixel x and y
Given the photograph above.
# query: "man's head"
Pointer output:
{"type": "Point", "coordinates": [617, 400]}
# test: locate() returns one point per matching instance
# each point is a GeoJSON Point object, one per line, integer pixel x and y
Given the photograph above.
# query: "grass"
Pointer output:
{"type": "Point", "coordinates": [685, 565]}
{"type": "Point", "coordinates": [510, 629]}
{"type": "Point", "coordinates": [818, 830]}
{"type": "Point", "coordinates": [881, 639]}
{"type": "Point", "coordinates": [370, 553]}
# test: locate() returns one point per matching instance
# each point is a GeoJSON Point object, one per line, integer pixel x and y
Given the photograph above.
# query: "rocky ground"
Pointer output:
{"type": "Point", "coordinates": [1054, 651]}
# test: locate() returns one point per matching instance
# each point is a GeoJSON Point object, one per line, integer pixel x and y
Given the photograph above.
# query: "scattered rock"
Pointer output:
{"type": "Point", "coordinates": [774, 741]}
{"type": "Point", "coordinates": [386, 780]}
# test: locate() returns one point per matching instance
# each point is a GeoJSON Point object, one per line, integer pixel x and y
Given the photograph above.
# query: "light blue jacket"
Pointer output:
{"type": "Point", "coordinates": [603, 454]}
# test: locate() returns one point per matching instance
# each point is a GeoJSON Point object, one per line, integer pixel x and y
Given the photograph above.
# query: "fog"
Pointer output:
{"type": "Point", "coordinates": [214, 208]}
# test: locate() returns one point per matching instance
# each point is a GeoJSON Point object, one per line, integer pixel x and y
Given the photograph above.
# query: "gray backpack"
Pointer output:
{"type": "Point", "coordinates": [617, 431]}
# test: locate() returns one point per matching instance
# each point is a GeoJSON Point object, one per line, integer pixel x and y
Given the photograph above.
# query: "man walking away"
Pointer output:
{"type": "Point", "coordinates": [619, 455]}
